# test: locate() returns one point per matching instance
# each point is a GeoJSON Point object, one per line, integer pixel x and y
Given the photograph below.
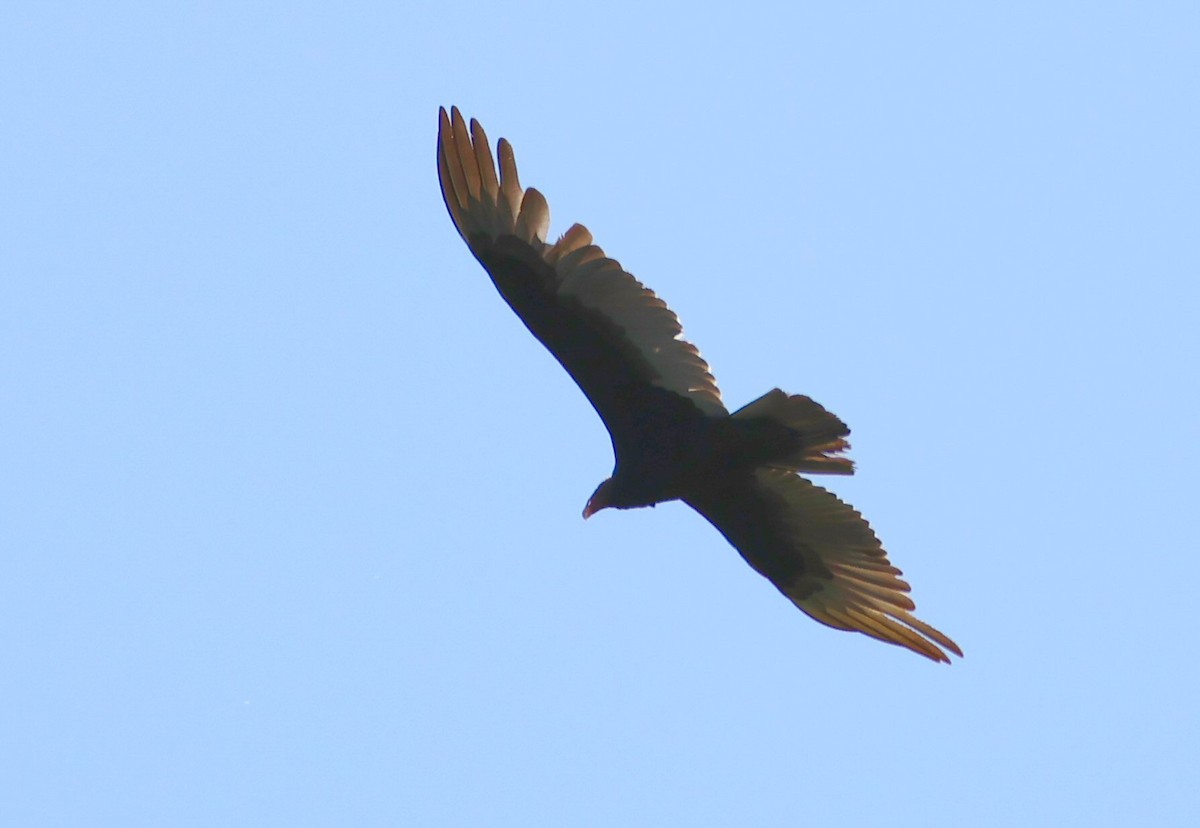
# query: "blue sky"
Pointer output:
{"type": "Point", "coordinates": [290, 501]}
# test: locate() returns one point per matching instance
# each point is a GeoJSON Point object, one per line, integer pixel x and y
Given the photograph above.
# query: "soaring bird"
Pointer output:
{"type": "Point", "coordinates": [672, 436]}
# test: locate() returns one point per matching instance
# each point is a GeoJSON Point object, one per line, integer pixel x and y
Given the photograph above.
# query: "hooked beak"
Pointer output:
{"type": "Point", "coordinates": [599, 500]}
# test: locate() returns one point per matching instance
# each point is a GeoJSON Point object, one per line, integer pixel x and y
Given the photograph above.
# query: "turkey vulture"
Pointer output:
{"type": "Point", "coordinates": [672, 436]}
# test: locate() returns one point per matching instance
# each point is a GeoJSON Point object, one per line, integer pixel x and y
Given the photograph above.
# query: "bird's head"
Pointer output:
{"type": "Point", "coordinates": [602, 498]}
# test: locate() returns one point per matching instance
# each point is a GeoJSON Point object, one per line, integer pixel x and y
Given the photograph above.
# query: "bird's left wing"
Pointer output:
{"type": "Point", "coordinates": [821, 554]}
{"type": "Point", "coordinates": [619, 341]}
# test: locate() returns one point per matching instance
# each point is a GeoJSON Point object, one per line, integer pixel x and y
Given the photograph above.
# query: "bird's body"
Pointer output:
{"type": "Point", "coordinates": [673, 438]}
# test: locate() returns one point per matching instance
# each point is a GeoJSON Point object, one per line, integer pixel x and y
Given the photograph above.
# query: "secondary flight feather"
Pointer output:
{"type": "Point", "coordinates": [673, 438]}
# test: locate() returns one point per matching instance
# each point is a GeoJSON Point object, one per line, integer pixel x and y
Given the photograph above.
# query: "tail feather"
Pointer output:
{"type": "Point", "coordinates": [820, 433]}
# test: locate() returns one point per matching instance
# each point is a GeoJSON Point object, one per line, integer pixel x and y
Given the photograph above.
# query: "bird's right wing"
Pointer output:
{"type": "Point", "coordinates": [821, 554]}
{"type": "Point", "coordinates": [619, 341]}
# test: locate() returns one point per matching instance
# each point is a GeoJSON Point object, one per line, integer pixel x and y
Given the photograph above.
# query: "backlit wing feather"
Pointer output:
{"type": "Point", "coordinates": [616, 338]}
{"type": "Point", "coordinates": [821, 554]}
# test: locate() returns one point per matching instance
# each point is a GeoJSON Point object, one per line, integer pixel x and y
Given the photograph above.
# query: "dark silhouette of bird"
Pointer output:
{"type": "Point", "coordinates": [672, 436]}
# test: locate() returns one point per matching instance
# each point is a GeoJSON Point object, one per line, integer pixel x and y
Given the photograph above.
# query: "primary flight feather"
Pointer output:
{"type": "Point", "coordinates": [672, 436]}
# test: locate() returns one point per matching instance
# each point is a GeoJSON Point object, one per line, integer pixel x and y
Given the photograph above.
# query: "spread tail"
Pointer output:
{"type": "Point", "coordinates": [817, 434]}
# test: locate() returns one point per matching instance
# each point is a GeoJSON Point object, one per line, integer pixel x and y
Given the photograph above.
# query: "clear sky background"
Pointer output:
{"type": "Point", "coordinates": [290, 501]}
